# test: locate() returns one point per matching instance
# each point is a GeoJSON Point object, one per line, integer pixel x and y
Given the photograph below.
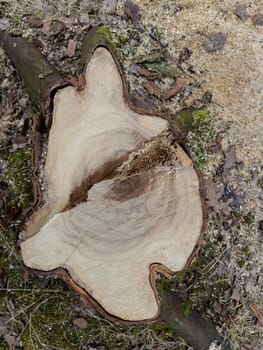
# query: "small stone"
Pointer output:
{"type": "Point", "coordinates": [258, 19]}
{"type": "Point", "coordinates": [81, 322]}
{"type": "Point", "coordinates": [215, 42]}
{"type": "Point", "coordinates": [241, 12]}
{"type": "Point", "coordinates": [4, 23]}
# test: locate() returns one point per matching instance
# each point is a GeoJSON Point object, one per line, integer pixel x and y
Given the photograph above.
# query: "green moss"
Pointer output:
{"type": "Point", "coordinates": [184, 120]}
{"type": "Point", "coordinates": [162, 69]}
{"type": "Point", "coordinates": [198, 125]}
{"type": "Point", "coordinates": [186, 307]}
{"type": "Point", "coordinates": [18, 177]}
{"type": "Point", "coordinates": [106, 33]}
{"type": "Point", "coordinates": [100, 36]}
{"type": "Point", "coordinates": [164, 283]}
{"type": "Point", "coordinates": [241, 263]}
{"type": "Point", "coordinates": [156, 56]}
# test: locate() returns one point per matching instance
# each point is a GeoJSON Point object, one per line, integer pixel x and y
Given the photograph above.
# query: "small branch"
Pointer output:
{"type": "Point", "coordinates": [256, 312]}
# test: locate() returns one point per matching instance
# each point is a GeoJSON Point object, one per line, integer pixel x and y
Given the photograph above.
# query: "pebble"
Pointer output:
{"type": "Point", "coordinates": [215, 42]}
{"type": "Point", "coordinates": [258, 19]}
{"type": "Point", "coordinates": [241, 12]}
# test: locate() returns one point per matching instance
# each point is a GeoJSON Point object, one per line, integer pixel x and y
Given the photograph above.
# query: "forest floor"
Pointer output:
{"type": "Point", "coordinates": [217, 48]}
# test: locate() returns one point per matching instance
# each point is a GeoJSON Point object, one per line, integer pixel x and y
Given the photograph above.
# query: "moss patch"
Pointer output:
{"type": "Point", "coordinates": [18, 177]}
{"type": "Point", "coordinates": [198, 126]}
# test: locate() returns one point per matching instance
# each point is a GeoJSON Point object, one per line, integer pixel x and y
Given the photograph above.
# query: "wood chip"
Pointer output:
{"type": "Point", "coordinates": [71, 48]}
{"type": "Point", "coordinates": [179, 84]}
{"type": "Point", "coordinates": [256, 312]}
{"type": "Point", "coordinates": [153, 89]}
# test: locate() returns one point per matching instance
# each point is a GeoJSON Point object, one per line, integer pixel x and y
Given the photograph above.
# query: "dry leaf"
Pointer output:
{"type": "Point", "coordinates": [179, 84]}
{"type": "Point", "coordinates": [153, 89]}
{"type": "Point", "coordinates": [143, 71]}
{"type": "Point", "coordinates": [142, 100]}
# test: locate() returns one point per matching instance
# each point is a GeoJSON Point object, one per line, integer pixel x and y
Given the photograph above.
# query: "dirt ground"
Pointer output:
{"type": "Point", "coordinates": [225, 282]}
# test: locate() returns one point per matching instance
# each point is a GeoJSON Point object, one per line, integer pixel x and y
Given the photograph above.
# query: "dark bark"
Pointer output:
{"type": "Point", "coordinates": [40, 77]}
{"type": "Point", "coordinates": [196, 330]}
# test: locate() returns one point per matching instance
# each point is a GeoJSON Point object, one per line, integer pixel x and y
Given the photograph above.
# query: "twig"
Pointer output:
{"type": "Point", "coordinates": [256, 312]}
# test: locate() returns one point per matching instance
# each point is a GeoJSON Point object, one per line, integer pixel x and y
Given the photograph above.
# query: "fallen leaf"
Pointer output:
{"type": "Point", "coordinates": [142, 100]}
{"type": "Point", "coordinates": [138, 70]}
{"type": "Point", "coordinates": [132, 11]}
{"type": "Point", "coordinates": [81, 322]}
{"type": "Point", "coordinates": [179, 84]}
{"type": "Point", "coordinates": [71, 48]}
{"type": "Point", "coordinates": [153, 89]}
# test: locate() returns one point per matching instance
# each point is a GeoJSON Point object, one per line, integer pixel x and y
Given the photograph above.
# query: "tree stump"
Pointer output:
{"type": "Point", "coordinates": [123, 201]}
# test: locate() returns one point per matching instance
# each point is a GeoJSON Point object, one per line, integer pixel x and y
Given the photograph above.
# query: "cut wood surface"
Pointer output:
{"type": "Point", "coordinates": [122, 197]}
